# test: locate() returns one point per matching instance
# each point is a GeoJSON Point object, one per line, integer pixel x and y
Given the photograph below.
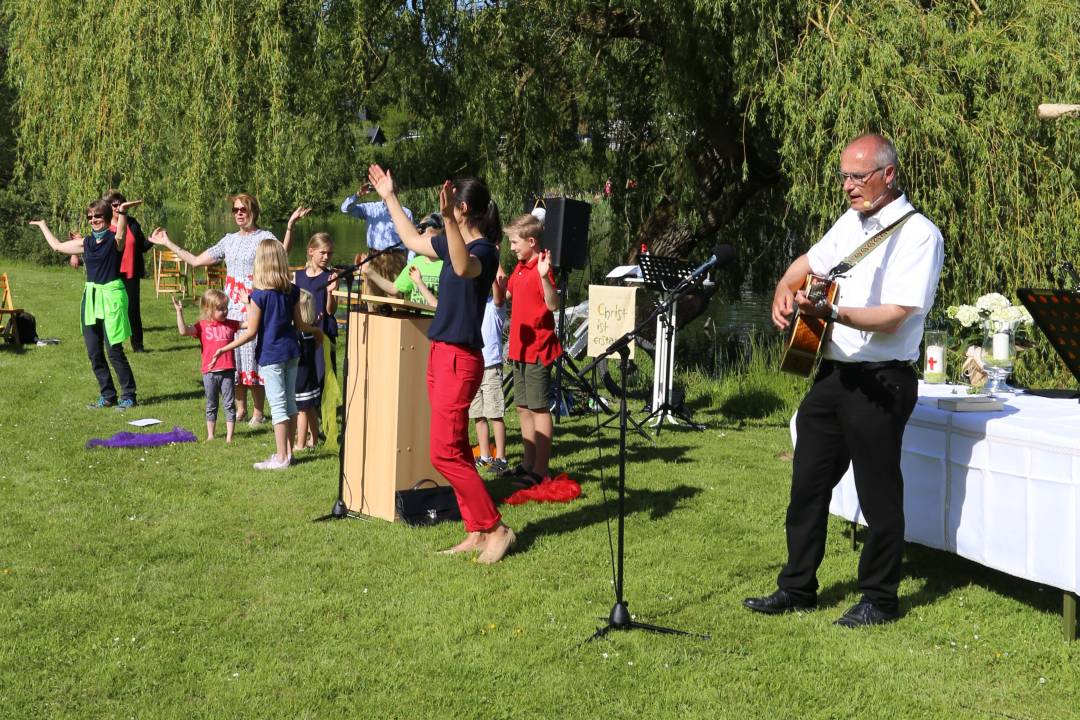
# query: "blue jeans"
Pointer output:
{"type": "Point", "coordinates": [279, 380]}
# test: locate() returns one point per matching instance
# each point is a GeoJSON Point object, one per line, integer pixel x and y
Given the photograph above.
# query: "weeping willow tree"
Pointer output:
{"type": "Point", "coordinates": [955, 86]}
{"type": "Point", "coordinates": [714, 119]}
{"type": "Point", "coordinates": [189, 101]}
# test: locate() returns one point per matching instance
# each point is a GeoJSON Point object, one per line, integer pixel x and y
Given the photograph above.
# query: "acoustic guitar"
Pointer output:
{"type": "Point", "coordinates": [808, 333]}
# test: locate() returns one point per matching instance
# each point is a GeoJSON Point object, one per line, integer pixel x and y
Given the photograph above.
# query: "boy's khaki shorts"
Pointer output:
{"type": "Point", "coordinates": [489, 402]}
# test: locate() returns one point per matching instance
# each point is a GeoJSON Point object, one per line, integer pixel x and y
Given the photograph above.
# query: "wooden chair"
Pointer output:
{"type": "Point", "coordinates": [8, 312]}
{"type": "Point", "coordinates": [213, 276]}
{"type": "Point", "coordinates": [170, 273]}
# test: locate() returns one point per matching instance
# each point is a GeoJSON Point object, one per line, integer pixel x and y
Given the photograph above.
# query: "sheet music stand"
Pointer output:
{"type": "Point", "coordinates": [1057, 313]}
{"type": "Point", "coordinates": [663, 275]}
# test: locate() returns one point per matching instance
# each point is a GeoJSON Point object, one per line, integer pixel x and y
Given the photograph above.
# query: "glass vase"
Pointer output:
{"type": "Point", "coordinates": [999, 353]}
{"type": "Point", "coordinates": [934, 344]}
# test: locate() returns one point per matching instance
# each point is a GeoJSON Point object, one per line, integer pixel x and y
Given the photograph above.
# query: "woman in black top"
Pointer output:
{"type": "Point", "coordinates": [105, 323]}
{"type": "Point", "coordinates": [470, 253]}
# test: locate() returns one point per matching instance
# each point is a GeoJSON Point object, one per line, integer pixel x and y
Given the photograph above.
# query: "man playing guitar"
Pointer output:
{"type": "Point", "coordinates": [888, 259]}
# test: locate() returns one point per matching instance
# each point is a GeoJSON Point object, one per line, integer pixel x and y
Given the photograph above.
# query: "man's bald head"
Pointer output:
{"type": "Point", "coordinates": [868, 167]}
{"type": "Point", "coordinates": [878, 149]}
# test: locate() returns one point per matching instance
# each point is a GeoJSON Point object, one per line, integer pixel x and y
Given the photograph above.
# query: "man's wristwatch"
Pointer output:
{"type": "Point", "coordinates": [834, 312]}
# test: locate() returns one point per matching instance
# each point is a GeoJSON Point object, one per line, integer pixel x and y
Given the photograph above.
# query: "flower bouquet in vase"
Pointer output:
{"type": "Point", "coordinates": [990, 326]}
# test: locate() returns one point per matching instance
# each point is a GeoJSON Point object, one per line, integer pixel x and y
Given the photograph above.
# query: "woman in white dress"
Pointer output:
{"type": "Point", "coordinates": [237, 249]}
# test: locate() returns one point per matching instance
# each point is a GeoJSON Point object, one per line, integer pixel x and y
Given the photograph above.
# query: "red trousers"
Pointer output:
{"type": "Point", "coordinates": [454, 373]}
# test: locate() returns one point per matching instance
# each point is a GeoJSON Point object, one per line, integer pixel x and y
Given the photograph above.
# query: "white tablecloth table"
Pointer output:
{"type": "Point", "coordinates": [1001, 489]}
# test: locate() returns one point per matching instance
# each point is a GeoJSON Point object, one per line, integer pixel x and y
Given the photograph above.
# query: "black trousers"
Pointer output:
{"type": "Point", "coordinates": [97, 347]}
{"type": "Point", "coordinates": [134, 312]}
{"type": "Point", "coordinates": [854, 413]}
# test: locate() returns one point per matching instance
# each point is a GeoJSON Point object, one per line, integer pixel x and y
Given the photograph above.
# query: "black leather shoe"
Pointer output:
{"type": "Point", "coordinates": [778, 603]}
{"type": "Point", "coordinates": [865, 613]}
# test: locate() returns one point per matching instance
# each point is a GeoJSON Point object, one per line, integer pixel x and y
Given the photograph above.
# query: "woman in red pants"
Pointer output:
{"type": "Point", "coordinates": [469, 250]}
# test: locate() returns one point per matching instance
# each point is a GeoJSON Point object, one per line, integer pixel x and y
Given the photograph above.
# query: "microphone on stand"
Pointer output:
{"type": "Point", "coordinates": [721, 255]}
{"type": "Point", "coordinates": [343, 270]}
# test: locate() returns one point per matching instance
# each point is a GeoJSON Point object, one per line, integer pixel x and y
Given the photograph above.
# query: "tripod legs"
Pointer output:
{"type": "Point", "coordinates": [620, 620]}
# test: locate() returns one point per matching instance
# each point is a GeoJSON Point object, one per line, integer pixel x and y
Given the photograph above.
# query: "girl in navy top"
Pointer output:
{"type": "Point", "coordinates": [105, 323]}
{"type": "Point", "coordinates": [470, 253]}
{"type": "Point", "coordinates": [273, 317]}
{"type": "Point", "coordinates": [311, 374]}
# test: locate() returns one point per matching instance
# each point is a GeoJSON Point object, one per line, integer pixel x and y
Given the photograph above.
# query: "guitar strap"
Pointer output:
{"type": "Point", "coordinates": [863, 250]}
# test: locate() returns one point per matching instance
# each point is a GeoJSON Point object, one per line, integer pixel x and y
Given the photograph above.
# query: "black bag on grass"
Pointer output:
{"type": "Point", "coordinates": [427, 505]}
{"type": "Point", "coordinates": [27, 325]}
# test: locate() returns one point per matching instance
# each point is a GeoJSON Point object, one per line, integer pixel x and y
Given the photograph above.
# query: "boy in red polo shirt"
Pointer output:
{"type": "Point", "coordinates": [534, 347]}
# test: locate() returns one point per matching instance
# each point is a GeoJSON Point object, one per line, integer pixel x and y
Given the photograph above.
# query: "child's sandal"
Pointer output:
{"type": "Point", "coordinates": [516, 472]}
{"type": "Point", "coordinates": [528, 480]}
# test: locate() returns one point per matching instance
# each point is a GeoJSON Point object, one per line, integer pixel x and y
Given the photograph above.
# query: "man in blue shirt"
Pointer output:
{"type": "Point", "coordinates": [380, 235]}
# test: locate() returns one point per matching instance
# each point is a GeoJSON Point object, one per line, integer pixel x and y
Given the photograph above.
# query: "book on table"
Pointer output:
{"type": "Point", "coordinates": [970, 403]}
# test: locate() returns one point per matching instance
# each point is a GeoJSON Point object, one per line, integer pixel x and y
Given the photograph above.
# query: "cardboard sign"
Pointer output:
{"type": "Point", "coordinates": [611, 315]}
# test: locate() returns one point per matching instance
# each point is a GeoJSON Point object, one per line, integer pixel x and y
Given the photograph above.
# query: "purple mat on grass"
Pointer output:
{"type": "Point", "coordinates": [141, 440]}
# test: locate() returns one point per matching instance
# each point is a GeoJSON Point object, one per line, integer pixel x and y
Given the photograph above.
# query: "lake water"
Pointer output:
{"type": "Point", "coordinates": [711, 342]}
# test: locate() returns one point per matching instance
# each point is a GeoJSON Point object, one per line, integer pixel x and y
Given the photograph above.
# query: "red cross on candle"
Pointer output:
{"type": "Point", "coordinates": [931, 362]}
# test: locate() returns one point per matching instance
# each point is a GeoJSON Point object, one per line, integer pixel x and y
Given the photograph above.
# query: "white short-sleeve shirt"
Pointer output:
{"type": "Point", "coordinates": [902, 270]}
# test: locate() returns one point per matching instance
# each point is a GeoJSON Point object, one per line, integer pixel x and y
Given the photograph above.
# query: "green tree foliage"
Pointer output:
{"type": "Point", "coordinates": [189, 101]}
{"type": "Point", "coordinates": [562, 95]}
{"type": "Point", "coordinates": [714, 119]}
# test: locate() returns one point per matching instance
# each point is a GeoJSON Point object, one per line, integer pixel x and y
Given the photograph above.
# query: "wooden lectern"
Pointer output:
{"type": "Point", "coordinates": [386, 406]}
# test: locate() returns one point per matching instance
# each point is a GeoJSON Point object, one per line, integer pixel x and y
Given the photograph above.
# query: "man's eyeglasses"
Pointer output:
{"type": "Point", "coordinates": [94, 216]}
{"type": "Point", "coordinates": [238, 210]}
{"type": "Point", "coordinates": [858, 179]}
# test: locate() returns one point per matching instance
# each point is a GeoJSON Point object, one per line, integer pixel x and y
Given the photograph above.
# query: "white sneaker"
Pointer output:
{"type": "Point", "coordinates": [273, 463]}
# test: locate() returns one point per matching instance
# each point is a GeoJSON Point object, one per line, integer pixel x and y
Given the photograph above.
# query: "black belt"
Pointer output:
{"type": "Point", "coordinates": [869, 366]}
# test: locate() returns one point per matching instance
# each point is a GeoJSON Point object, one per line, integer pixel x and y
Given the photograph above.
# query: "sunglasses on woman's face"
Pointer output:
{"type": "Point", "coordinates": [94, 216]}
{"type": "Point", "coordinates": [238, 210]}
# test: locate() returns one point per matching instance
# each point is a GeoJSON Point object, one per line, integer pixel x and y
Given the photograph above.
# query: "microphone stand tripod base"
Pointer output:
{"type": "Point", "coordinates": [619, 619]}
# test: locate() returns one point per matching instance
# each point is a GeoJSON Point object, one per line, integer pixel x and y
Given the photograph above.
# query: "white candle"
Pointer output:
{"type": "Point", "coordinates": [1001, 346]}
{"type": "Point", "coordinates": [935, 359]}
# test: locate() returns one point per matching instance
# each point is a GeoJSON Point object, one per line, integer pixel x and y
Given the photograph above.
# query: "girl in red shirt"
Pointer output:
{"type": "Point", "coordinates": [214, 330]}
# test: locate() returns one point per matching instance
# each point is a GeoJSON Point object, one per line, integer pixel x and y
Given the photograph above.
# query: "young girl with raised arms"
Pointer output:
{"type": "Point", "coordinates": [311, 374]}
{"type": "Point", "coordinates": [214, 330]}
{"type": "Point", "coordinates": [273, 316]}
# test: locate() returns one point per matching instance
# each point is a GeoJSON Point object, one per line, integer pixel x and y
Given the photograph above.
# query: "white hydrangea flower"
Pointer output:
{"type": "Point", "coordinates": [991, 302]}
{"type": "Point", "coordinates": [1017, 314]}
{"type": "Point", "coordinates": [967, 315]}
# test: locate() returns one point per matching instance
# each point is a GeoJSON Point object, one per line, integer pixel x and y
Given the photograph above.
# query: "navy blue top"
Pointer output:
{"type": "Point", "coordinates": [102, 259]}
{"type": "Point", "coordinates": [460, 312]}
{"type": "Point", "coordinates": [277, 340]}
{"type": "Point", "coordinates": [317, 287]}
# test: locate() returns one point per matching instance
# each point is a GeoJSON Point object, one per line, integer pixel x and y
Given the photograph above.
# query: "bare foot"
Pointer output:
{"type": "Point", "coordinates": [497, 545]}
{"type": "Point", "coordinates": [473, 542]}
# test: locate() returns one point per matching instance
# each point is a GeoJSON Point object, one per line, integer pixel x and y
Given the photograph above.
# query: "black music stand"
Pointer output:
{"type": "Point", "coordinates": [1057, 314]}
{"type": "Point", "coordinates": [664, 275]}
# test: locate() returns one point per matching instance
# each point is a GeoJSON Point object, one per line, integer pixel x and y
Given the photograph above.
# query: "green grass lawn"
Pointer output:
{"type": "Point", "coordinates": [178, 582]}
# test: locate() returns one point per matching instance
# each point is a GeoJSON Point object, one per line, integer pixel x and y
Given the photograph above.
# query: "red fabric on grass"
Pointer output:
{"type": "Point", "coordinates": [558, 489]}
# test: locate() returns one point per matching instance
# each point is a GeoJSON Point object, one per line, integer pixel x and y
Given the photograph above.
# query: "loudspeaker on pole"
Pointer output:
{"type": "Point", "coordinates": [566, 231]}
